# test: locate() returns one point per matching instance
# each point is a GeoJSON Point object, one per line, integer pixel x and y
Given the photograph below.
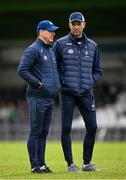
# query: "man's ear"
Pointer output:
{"type": "Point", "coordinates": [69, 25]}
{"type": "Point", "coordinates": [84, 23]}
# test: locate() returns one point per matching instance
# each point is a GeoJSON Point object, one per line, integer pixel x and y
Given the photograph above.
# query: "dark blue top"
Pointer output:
{"type": "Point", "coordinates": [78, 63]}
{"type": "Point", "coordinates": [38, 64]}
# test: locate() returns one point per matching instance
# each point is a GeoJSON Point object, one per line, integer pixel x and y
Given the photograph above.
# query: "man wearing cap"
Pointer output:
{"type": "Point", "coordinates": [79, 68]}
{"type": "Point", "coordinates": [38, 68]}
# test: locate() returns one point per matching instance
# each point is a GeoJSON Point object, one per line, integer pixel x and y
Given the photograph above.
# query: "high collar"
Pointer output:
{"type": "Point", "coordinates": [42, 43]}
{"type": "Point", "coordinates": [84, 38]}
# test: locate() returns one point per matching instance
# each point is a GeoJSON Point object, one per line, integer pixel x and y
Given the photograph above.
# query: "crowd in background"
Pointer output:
{"type": "Point", "coordinates": [13, 102]}
{"type": "Point", "coordinates": [14, 110]}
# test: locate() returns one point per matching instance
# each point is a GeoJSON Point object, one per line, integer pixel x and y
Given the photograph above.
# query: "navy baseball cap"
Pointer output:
{"type": "Point", "coordinates": [76, 16]}
{"type": "Point", "coordinates": [46, 25]}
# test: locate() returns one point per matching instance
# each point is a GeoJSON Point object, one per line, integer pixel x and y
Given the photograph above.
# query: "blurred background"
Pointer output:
{"type": "Point", "coordinates": [106, 24]}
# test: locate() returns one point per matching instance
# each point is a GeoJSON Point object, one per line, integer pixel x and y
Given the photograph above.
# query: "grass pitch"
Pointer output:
{"type": "Point", "coordinates": [110, 158]}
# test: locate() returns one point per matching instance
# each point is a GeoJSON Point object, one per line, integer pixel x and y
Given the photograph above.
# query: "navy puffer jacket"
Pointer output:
{"type": "Point", "coordinates": [38, 64]}
{"type": "Point", "coordinates": [79, 64]}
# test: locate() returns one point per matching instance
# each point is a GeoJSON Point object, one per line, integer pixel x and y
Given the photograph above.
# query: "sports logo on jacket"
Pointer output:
{"type": "Point", "coordinates": [93, 108]}
{"type": "Point", "coordinates": [45, 57]}
{"type": "Point", "coordinates": [54, 60]}
{"type": "Point", "coordinates": [69, 44]}
{"type": "Point", "coordinates": [70, 51]}
{"type": "Point", "coordinates": [86, 54]}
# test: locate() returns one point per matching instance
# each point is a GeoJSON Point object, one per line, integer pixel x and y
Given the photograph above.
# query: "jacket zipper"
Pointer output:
{"type": "Point", "coordinates": [80, 71]}
{"type": "Point", "coordinates": [51, 58]}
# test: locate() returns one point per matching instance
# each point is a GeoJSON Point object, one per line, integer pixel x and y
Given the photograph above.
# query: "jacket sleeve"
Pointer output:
{"type": "Point", "coordinates": [97, 66]}
{"type": "Point", "coordinates": [25, 66]}
{"type": "Point", "coordinates": [58, 53]}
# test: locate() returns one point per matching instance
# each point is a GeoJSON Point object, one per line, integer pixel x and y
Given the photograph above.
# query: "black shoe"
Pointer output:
{"type": "Point", "coordinates": [45, 169]}
{"type": "Point", "coordinates": [36, 170]}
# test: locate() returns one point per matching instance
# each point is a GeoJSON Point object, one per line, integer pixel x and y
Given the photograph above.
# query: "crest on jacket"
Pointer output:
{"type": "Point", "coordinates": [45, 57]}
{"type": "Point", "coordinates": [70, 51]}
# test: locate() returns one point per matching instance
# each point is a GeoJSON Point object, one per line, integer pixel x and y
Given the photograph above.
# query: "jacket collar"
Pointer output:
{"type": "Point", "coordinates": [39, 41]}
{"type": "Point", "coordinates": [84, 38]}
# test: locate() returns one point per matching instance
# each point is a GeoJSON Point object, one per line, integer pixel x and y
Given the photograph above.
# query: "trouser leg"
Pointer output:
{"type": "Point", "coordinates": [37, 113]}
{"type": "Point", "coordinates": [43, 136]}
{"type": "Point", "coordinates": [67, 107]}
{"type": "Point", "coordinates": [35, 129]}
{"type": "Point", "coordinates": [86, 106]}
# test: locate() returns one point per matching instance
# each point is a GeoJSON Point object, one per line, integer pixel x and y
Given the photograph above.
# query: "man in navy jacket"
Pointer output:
{"type": "Point", "coordinates": [79, 68]}
{"type": "Point", "coordinates": [38, 68]}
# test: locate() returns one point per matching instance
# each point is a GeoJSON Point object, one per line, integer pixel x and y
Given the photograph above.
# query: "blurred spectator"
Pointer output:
{"type": "Point", "coordinates": [121, 103]}
{"type": "Point", "coordinates": [8, 111]}
{"type": "Point", "coordinates": [14, 114]}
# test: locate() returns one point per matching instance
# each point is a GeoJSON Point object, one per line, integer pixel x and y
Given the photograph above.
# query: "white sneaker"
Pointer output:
{"type": "Point", "coordinates": [73, 168]}
{"type": "Point", "coordinates": [89, 167]}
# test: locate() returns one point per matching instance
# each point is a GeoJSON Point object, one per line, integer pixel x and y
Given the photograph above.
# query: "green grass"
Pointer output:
{"type": "Point", "coordinates": [110, 157]}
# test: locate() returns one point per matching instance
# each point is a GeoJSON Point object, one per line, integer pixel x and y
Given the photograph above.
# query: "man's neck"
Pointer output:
{"type": "Point", "coordinates": [43, 40]}
{"type": "Point", "coordinates": [77, 38]}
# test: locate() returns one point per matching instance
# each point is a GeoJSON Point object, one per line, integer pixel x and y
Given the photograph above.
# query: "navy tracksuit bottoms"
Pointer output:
{"type": "Point", "coordinates": [40, 114]}
{"type": "Point", "coordinates": [86, 106]}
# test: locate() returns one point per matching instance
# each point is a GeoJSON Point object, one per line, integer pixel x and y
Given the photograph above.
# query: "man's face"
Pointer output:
{"type": "Point", "coordinates": [47, 36]}
{"type": "Point", "coordinates": [76, 28]}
